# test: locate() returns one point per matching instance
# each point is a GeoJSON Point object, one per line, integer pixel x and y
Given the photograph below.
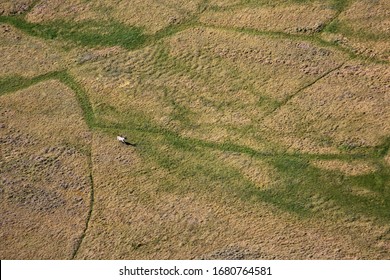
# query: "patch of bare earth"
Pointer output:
{"type": "Point", "coordinates": [44, 185]}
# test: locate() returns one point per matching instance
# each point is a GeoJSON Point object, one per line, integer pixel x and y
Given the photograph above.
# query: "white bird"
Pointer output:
{"type": "Point", "coordinates": [121, 139]}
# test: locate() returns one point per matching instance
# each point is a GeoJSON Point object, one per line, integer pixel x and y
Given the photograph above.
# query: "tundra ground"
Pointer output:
{"type": "Point", "coordinates": [256, 129]}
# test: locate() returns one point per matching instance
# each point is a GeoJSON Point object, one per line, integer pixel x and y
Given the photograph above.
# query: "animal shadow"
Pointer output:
{"type": "Point", "coordinates": [129, 144]}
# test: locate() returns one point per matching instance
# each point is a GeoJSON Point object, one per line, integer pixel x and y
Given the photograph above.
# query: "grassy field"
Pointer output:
{"type": "Point", "coordinates": [256, 129]}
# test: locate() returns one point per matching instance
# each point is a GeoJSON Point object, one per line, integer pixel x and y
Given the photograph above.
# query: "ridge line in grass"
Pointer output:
{"type": "Point", "coordinates": [285, 101]}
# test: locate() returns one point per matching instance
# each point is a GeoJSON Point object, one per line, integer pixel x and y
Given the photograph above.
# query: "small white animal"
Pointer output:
{"type": "Point", "coordinates": [121, 139]}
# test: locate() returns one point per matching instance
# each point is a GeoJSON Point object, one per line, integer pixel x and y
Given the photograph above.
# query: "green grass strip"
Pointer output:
{"type": "Point", "coordinates": [81, 95]}
{"type": "Point", "coordinates": [14, 83]}
{"type": "Point", "coordinates": [87, 33]}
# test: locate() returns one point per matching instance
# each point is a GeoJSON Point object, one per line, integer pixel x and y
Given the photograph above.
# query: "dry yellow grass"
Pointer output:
{"type": "Point", "coordinates": [353, 168]}
{"type": "Point", "coordinates": [224, 3]}
{"type": "Point", "coordinates": [261, 174]}
{"type": "Point", "coordinates": [211, 88]}
{"type": "Point", "coordinates": [387, 158]}
{"type": "Point", "coordinates": [45, 186]}
{"type": "Point", "coordinates": [151, 15]}
{"type": "Point", "coordinates": [377, 49]}
{"type": "Point", "coordinates": [28, 56]}
{"type": "Point", "coordinates": [248, 144]}
{"type": "Point", "coordinates": [275, 67]}
{"type": "Point", "coordinates": [73, 10]}
{"type": "Point", "coordinates": [14, 7]}
{"type": "Point", "coordinates": [290, 18]}
{"type": "Point", "coordinates": [135, 217]}
{"type": "Point", "coordinates": [349, 108]}
{"type": "Point", "coordinates": [363, 27]}
{"type": "Point", "coordinates": [368, 16]}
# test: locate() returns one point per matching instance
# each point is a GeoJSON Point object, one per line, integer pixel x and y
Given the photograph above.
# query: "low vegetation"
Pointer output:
{"type": "Point", "coordinates": [253, 133]}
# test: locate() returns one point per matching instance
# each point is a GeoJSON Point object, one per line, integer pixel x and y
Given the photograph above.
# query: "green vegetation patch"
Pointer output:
{"type": "Point", "coordinates": [14, 83]}
{"type": "Point", "coordinates": [301, 188]}
{"type": "Point", "coordinates": [304, 186]}
{"type": "Point", "coordinates": [88, 33]}
{"type": "Point", "coordinates": [340, 5]}
{"type": "Point", "coordinates": [345, 28]}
